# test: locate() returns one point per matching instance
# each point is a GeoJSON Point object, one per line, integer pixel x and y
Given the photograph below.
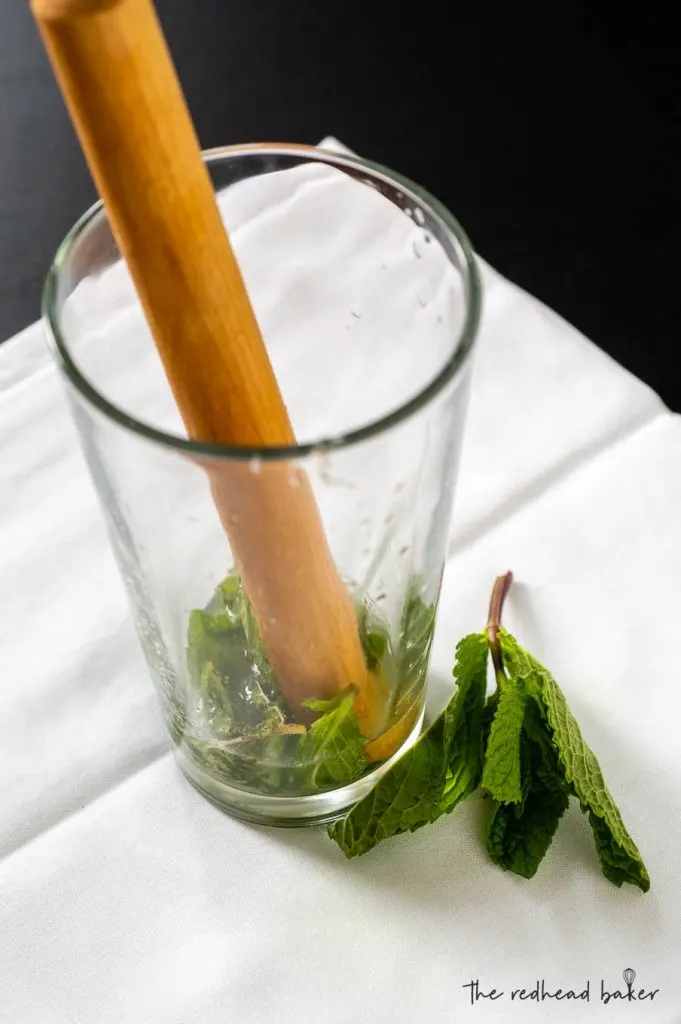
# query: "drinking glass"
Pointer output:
{"type": "Point", "coordinates": [368, 298]}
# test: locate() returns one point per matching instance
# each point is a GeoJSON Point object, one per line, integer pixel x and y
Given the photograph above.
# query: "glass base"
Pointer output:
{"type": "Point", "coordinates": [287, 811]}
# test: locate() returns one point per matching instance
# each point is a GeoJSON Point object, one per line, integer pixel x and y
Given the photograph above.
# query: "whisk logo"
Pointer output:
{"type": "Point", "coordinates": [631, 993]}
{"type": "Point", "coordinates": [542, 992]}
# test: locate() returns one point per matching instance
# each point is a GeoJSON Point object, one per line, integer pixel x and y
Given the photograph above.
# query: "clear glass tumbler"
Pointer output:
{"type": "Point", "coordinates": [368, 298]}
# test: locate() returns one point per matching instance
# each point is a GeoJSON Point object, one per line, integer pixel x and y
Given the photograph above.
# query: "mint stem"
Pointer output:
{"type": "Point", "coordinates": [502, 585]}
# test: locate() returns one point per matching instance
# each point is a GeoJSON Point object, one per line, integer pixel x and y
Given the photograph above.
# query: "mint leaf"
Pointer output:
{"type": "Point", "coordinates": [405, 798]}
{"type": "Point", "coordinates": [229, 597]}
{"type": "Point", "coordinates": [416, 637]}
{"type": "Point", "coordinates": [374, 637]}
{"type": "Point", "coordinates": [333, 746]}
{"type": "Point", "coordinates": [436, 773]}
{"type": "Point", "coordinates": [618, 854]}
{"type": "Point", "coordinates": [617, 864]}
{"type": "Point", "coordinates": [488, 716]}
{"type": "Point", "coordinates": [545, 764]}
{"type": "Point", "coordinates": [519, 834]}
{"type": "Point", "coordinates": [230, 674]}
{"type": "Point", "coordinates": [305, 761]}
{"type": "Point", "coordinates": [517, 840]}
{"type": "Point", "coordinates": [214, 700]}
{"type": "Point", "coordinates": [527, 811]}
{"type": "Point", "coordinates": [241, 731]}
{"type": "Point", "coordinates": [208, 637]}
{"type": "Point", "coordinates": [501, 775]}
{"type": "Point", "coordinates": [409, 663]}
{"type": "Point", "coordinates": [463, 720]}
{"type": "Point", "coordinates": [238, 610]}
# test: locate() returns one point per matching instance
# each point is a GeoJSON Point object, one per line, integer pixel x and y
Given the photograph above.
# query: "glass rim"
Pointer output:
{"type": "Point", "coordinates": [465, 342]}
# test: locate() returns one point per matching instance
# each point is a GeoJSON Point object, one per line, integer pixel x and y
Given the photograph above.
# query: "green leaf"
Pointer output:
{"type": "Point", "coordinates": [488, 717]}
{"type": "Point", "coordinates": [436, 773]}
{"type": "Point", "coordinates": [229, 596]}
{"type": "Point", "coordinates": [215, 702]}
{"type": "Point", "coordinates": [618, 854]}
{"type": "Point", "coordinates": [238, 695]}
{"type": "Point", "coordinates": [617, 865]}
{"type": "Point", "coordinates": [207, 639]}
{"type": "Point", "coordinates": [239, 611]}
{"type": "Point", "coordinates": [333, 747]}
{"type": "Point", "coordinates": [545, 763]}
{"type": "Point", "coordinates": [408, 664]}
{"type": "Point", "coordinates": [328, 754]}
{"type": "Point", "coordinates": [519, 834]}
{"type": "Point", "coordinates": [501, 775]}
{"type": "Point", "coordinates": [242, 730]}
{"type": "Point", "coordinates": [519, 841]}
{"type": "Point", "coordinates": [416, 637]}
{"type": "Point", "coordinates": [463, 721]}
{"type": "Point", "coordinates": [374, 636]}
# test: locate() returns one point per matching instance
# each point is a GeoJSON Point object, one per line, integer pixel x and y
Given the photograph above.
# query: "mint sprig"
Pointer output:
{"type": "Point", "coordinates": [523, 745]}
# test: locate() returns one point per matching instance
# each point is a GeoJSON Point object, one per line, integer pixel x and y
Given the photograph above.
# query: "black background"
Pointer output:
{"type": "Point", "coordinates": [552, 133]}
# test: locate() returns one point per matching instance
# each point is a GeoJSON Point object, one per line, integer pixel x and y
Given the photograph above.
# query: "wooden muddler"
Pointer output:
{"type": "Point", "coordinates": [127, 106]}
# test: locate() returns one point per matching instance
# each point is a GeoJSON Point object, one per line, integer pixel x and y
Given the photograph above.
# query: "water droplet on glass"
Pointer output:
{"type": "Point", "coordinates": [418, 216]}
{"type": "Point", "coordinates": [294, 480]}
{"type": "Point", "coordinates": [439, 319]}
{"type": "Point", "coordinates": [357, 316]}
{"type": "Point", "coordinates": [234, 518]}
{"type": "Point", "coordinates": [272, 619]}
{"type": "Point", "coordinates": [417, 251]}
{"type": "Point", "coordinates": [381, 597]}
{"type": "Point", "coordinates": [423, 301]}
{"type": "Point", "coordinates": [427, 238]}
{"type": "Point", "coordinates": [408, 212]}
{"type": "Point", "coordinates": [404, 550]}
{"type": "Point", "coordinates": [255, 466]}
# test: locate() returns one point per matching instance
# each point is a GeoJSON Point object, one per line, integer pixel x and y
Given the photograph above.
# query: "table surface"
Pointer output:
{"type": "Point", "coordinates": [552, 136]}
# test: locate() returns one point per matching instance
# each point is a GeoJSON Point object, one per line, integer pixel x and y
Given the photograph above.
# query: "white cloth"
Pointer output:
{"type": "Point", "coordinates": [125, 897]}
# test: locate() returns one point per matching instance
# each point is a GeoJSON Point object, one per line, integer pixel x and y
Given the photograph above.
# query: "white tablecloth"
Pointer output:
{"type": "Point", "coordinates": [125, 897]}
